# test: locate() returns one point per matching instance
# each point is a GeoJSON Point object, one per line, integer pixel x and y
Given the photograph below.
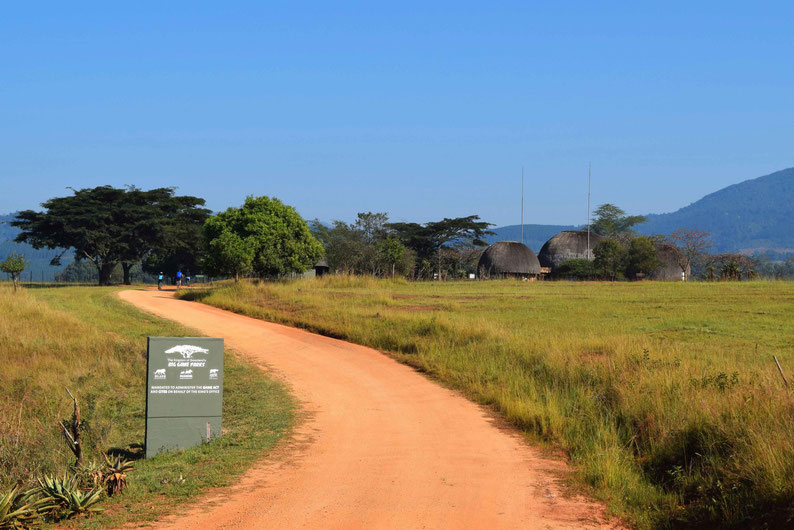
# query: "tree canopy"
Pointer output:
{"type": "Point", "coordinates": [612, 221]}
{"type": "Point", "coordinates": [14, 265]}
{"type": "Point", "coordinates": [265, 236]}
{"type": "Point", "coordinates": [428, 240]}
{"type": "Point", "coordinates": [109, 226]}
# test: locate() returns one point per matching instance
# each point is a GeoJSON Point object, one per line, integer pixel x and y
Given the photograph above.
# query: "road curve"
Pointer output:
{"type": "Point", "coordinates": [380, 445]}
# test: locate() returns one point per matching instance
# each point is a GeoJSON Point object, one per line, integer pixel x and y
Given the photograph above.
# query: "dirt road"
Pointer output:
{"type": "Point", "coordinates": [380, 445]}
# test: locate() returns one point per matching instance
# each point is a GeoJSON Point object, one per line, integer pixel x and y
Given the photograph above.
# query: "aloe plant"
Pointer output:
{"type": "Point", "coordinates": [116, 474]}
{"type": "Point", "coordinates": [21, 509]}
{"type": "Point", "coordinates": [70, 500]}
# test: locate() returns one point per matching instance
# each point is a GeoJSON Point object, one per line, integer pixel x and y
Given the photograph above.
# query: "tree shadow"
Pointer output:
{"type": "Point", "coordinates": [131, 452]}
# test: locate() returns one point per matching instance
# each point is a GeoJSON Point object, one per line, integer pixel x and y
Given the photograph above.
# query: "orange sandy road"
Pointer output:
{"type": "Point", "coordinates": [380, 446]}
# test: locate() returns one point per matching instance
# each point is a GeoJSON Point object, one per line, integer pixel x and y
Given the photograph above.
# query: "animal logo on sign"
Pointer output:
{"type": "Point", "coordinates": [213, 373]}
{"type": "Point", "coordinates": [186, 350]}
{"type": "Point", "coordinates": [159, 373]}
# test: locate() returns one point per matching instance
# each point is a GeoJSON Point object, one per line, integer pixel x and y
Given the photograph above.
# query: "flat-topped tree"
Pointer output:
{"type": "Point", "coordinates": [107, 225]}
{"type": "Point", "coordinates": [428, 239]}
{"type": "Point", "coordinates": [612, 221]}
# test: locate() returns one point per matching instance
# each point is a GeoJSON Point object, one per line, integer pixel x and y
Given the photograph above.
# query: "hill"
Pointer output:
{"type": "Point", "coordinates": [39, 259]}
{"type": "Point", "coordinates": [752, 216]}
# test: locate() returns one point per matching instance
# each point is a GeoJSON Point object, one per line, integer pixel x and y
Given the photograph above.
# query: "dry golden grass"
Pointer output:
{"type": "Point", "coordinates": [87, 339]}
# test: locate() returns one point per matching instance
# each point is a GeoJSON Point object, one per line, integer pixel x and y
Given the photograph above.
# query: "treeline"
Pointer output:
{"type": "Point", "coordinates": [138, 235]}
{"type": "Point", "coordinates": [446, 249]}
{"type": "Point", "coordinates": [624, 254]}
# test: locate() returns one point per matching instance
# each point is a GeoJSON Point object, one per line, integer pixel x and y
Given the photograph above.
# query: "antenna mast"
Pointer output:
{"type": "Point", "coordinates": [588, 210]}
{"type": "Point", "coordinates": [522, 205]}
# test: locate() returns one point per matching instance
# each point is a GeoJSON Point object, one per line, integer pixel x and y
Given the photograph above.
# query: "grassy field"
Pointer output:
{"type": "Point", "coordinates": [85, 338]}
{"type": "Point", "coordinates": [664, 395]}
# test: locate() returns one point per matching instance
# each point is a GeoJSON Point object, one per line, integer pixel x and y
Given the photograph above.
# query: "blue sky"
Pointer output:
{"type": "Point", "coordinates": [423, 111]}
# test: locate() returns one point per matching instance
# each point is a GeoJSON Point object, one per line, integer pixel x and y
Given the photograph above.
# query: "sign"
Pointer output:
{"type": "Point", "coordinates": [184, 392]}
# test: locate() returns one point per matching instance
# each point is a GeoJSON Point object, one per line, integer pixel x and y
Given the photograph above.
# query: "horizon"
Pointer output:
{"type": "Point", "coordinates": [410, 110]}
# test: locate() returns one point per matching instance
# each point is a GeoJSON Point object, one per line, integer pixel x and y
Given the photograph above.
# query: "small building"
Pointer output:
{"type": "Point", "coordinates": [568, 244]}
{"type": "Point", "coordinates": [671, 258]}
{"type": "Point", "coordinates": [321, 268]}
{"type": "Point", "coordinates": [508, 259]}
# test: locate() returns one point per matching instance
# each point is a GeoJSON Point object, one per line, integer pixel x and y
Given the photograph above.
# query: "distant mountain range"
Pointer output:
{"type": "Point", "coordinates": [754, 216]}
{"type": "Point", "coordinates": [39, 260]}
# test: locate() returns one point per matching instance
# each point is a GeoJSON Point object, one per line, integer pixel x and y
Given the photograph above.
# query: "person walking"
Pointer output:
{"type": "Point", "coordinates": [178, 279]}
{"type": "Point", "coordinates": [160, 281]}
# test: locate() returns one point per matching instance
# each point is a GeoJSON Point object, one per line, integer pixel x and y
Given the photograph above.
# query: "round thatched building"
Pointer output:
{"type": "Point", "coordinates": [568, 244]}
{"type": "Point", "coordinates": [670, 257]}
{"type": "Point", "coordinates": [508, 259]}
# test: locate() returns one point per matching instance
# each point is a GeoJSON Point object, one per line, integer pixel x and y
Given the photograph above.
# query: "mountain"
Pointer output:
{"type": "Point", "coordinates": [39, 260]}
{"type": "Point", "coordinates": [753, 216]}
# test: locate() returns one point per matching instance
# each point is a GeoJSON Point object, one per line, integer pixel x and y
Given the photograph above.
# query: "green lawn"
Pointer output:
{"type": "Point", "coordinates": [664, 395]}
{"type": "Point", "coordinates": [87, 339]}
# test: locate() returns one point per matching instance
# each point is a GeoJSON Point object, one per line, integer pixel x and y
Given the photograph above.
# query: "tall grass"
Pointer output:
{"type": "Point", "coordinates": [88, 340]}
{"type": "Point", "coordinates": [663, 394]}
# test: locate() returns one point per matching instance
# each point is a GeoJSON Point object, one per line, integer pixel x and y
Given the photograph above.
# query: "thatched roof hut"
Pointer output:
{"type": "Point", "coordinates": [508, 258]}
{"type": "Point", "coordinates": [568, 244]}
{"type": "Point", "coordinates": [670, 257]}
{"type": "Point", "coordinates": [321, 267]}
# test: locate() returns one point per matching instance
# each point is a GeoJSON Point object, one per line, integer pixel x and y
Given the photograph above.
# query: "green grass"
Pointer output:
{"type": "Point", "coordinates": [87, 339]}
{"type": "Point", "coordinates": [664, 395]}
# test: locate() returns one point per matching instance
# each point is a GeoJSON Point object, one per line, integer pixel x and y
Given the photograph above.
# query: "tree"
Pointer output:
{"type": "Point", "coordinates": [577, 268]}
{"type": "Point", "coordinates": [641, 258]}
{"type": "Point", "coordinates": [230, 255]}
{"type": "Point", "coordinates": [731, 266]}
{"type": "Point", "coordinates": [391, 251]}
{"type": "Point", "coordinates": [692, 245]}
{"type": "Point", "coordinates": [14, 265]}
{"type": "Point", "coordinates": [427, 240]}
{"type": "Point", "coordinates": [108, 226]}
{"type": "Point", "coordinates": [275, 237]}
{"type": "Point", "coordinates": [611, 221]}
{"type": "Point", "coordinates": [609, 259]}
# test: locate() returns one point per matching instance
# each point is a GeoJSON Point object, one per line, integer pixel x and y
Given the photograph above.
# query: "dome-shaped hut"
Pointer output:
{"type": "Point", "coordinates": [508, 259]}
{"type": "Point", "coordinates": [670, 257]}
{"type": "Point", "coordinates": [568, 244]}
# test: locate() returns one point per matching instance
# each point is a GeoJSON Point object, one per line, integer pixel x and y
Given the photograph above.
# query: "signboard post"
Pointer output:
{"type": "Point", "coordinates": [184, 392]}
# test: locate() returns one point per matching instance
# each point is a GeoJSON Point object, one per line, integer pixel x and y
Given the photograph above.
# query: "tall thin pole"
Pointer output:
{"type": "Point", "coordinates": [522, 205]}
{"type": "Point", "coordinates": [588, 209]}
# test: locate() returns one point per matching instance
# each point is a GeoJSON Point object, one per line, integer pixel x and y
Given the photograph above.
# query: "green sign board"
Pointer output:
{"type": "Point", "coordinates": [184, 392]}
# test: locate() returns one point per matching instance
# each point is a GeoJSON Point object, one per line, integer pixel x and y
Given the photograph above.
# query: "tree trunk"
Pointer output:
{"type": "Point", "coordinates": [126, 268]}
{"type": "Point", "coordinates": [105, 270]}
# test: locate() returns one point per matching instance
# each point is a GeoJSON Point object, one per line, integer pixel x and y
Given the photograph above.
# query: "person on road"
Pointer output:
{"type": "Point", "coordinates": [178, 279]}
{"type": "Point", "coordinates": [160, 281]}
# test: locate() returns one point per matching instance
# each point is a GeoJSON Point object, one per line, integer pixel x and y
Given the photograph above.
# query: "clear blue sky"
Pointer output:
{"type": "Point", "coordinates": [423, 112]}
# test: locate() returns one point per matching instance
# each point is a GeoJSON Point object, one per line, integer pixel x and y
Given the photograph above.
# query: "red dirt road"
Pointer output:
{"type": "Point", "coordinates": [379, 445]}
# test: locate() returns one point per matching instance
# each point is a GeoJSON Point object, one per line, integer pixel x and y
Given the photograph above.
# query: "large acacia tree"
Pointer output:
{"type": "Point", "coordinates": [429, 239]}
{"type": "Point", "coordinates": [109, 226]}
{"type": "Point", "coordinates": [264, 235]}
